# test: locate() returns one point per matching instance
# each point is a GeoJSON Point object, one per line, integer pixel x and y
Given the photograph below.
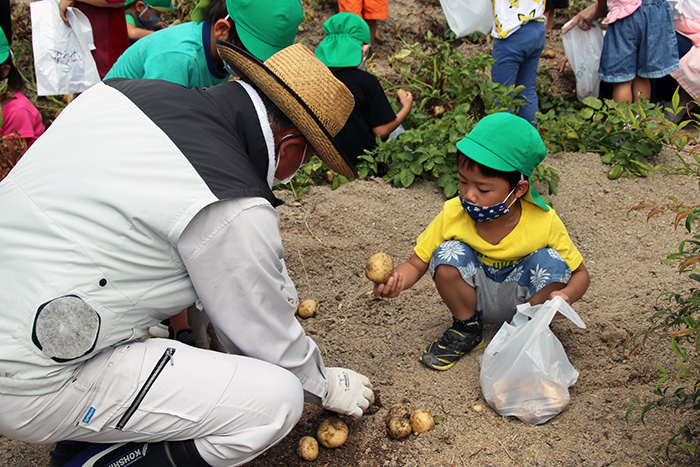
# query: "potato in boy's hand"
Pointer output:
{"type": "Point", "coordinates": [379, 268]}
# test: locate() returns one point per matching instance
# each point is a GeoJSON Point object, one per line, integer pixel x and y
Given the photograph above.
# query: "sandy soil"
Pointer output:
{"type": "Point", "coordinates": [329, 237]}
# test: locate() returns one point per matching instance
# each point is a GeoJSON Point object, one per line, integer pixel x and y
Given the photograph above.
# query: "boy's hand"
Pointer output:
{"type": "Point", "coordinates": [391, 289]}
{"type": "Point", "coordinates": [404, 97]}
{"type": "Point", "coordinates": [560, 294]}
{"type": "Point", "coordinates": [62, 7]}
{"type": "Point", "coordinates": [585, 18]}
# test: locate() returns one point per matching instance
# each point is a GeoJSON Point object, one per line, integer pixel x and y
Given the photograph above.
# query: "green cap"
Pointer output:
{"type": "Point", "coordinates": [266, 27]}
{"type": "Point", "coordinates": [342, 46]}
{"type": "Point", "coordinates": [506, 142]}
{"type": "Point", "coordinates": [4, 47]}
{"type": "Point", "coordinates": [159, 4]}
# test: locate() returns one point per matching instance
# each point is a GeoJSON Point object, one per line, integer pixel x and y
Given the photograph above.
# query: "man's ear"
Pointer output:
{"type": "Point", "coordinates": [221, 29]}
{"type": "Point", "coordinates": [140, 6]}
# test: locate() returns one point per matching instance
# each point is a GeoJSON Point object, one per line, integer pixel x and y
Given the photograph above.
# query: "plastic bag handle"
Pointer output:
{"type": "Point", "coordinates": [525, 312]}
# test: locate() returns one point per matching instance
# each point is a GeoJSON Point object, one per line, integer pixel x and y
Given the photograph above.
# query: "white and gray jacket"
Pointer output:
{"type": "Point", "coordinates": [140, 198]}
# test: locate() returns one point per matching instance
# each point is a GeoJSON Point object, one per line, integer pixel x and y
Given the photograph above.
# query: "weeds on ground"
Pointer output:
{"type": "Point", "coordinates": [677, 315]}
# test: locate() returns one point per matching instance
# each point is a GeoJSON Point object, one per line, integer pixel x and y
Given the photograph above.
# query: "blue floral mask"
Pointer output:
{"type": "Point", "coordinates": [486, 213]}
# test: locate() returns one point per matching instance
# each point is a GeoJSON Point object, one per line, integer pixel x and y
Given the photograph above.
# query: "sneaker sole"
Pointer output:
{"type": "Point", "coordinates": [450, 365]}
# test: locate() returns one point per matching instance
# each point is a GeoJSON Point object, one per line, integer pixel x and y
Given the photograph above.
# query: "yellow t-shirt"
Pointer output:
{"type": "Point", "coordinates": [536, 229]}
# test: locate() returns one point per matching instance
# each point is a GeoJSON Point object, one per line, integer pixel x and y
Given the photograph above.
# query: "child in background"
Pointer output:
{"type": "Point", "coordinates": [639, 44]}
{"type": "Point", "coordinates": [549, 7]}
{"type": "Point", "coordinates": [519, 34]}
{"type": "Point", "coordinates": [108, 29]}
{"type": "Point", "coordinates": [186, 53]}
{"type": "Point", "coordinates": [494, 246]}
{"type": "Point", "coordinates": [21, 121]}
{"type": "Point", "coordinates": [369, 10]}
{"type": "Point", "coordinates": [143, 17]}
{"type": "Point", "coordinates": [344, 50]}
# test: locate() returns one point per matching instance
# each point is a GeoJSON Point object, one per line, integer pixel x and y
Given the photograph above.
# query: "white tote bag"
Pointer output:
{"type": "Point", "coordinates": [63, 60]}
{"type": "Point", "coordinates": [468, 16]}
{"type": "Point", "coordinates": [583, 49]}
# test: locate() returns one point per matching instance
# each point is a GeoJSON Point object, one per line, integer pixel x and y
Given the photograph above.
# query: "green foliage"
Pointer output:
{"type": "Point", "coordinates": [427, 151]}
{"type": "Point", "coordinates": [313, 173]}
{"type": "Point", "coordinates": [626, 135]}
{"type": "Point", "coordinates": [452, 94]}
{"type": "Point", "coordinates": [577, 5]}
{"type": "Point", "coordinates": [441, 79]}
{"type": "Point", "coordinates": [678, 319]}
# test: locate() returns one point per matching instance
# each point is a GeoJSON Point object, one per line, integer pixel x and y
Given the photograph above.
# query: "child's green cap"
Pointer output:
{"type": "Point", "coordinates": [506, 142]}
{"type": "Point", "coordinates": [4, 47]}
{"type": "Point", "coordinates": [159, 4]}
{"type": "Point", "coordinates": [342, 46]}
{"type": "Point", "coordinates": [264, 27]}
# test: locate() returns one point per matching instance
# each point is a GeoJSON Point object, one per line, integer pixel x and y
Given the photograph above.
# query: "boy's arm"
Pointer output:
{"type": "Point", "coordinates": [576, 287]}
{"type": "Point", "coordinates": [405, 275]}
{"type": "Point", "coordinates": [406, 100]}
{"type": "Point", "coordinates": [135, 33]}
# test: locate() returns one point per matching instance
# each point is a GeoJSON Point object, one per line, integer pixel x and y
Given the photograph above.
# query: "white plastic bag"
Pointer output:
{"type": "Point", "coordinates": [468, 16]}
{"type": "Point", "coordinates": [63, 60]}
{"type": "Point", "coordinates": [583, 49]}
{"type": "Point", "coordinates": [524, 370]}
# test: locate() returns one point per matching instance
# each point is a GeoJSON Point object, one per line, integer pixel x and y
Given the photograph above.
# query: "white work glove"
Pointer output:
{"type": "Point", "coordinates": [349, 392]}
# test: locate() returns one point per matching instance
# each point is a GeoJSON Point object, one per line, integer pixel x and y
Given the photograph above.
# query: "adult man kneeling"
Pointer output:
{"type": "Point", "coordinates": [141, 198]}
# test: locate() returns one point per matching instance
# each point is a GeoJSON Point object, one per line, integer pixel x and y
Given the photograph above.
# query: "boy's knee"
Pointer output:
{"type": "Point", "coordinates": [447, 272]}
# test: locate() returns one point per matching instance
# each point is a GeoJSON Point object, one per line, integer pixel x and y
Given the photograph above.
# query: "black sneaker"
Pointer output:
{"type": "Point", "coordinates": [64, 451]}
{"type": "Point", "coordinates": [459, 339]}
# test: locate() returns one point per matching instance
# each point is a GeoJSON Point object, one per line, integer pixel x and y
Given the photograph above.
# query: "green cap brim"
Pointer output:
{"type": "Point", "coordinates": [334, 51]}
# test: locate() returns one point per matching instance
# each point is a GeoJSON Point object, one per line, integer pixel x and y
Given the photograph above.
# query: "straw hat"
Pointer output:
{"type": "Point", "coordinates": [305, 91]}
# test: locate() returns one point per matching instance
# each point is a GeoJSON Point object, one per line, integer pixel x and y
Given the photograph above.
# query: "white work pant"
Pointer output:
{"type": "Point", "coordinates": [233, 407]}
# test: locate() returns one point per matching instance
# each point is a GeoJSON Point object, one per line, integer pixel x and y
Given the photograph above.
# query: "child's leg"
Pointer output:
{"type": "Point", "coordinates": [535, 37]}
{"type": "Point", "coordinates": [641, 87]}
{"type": "Point", "coordinates": [517, 58]}
{"type": "Point", "coordinates": [459, 296]}
{"type": "Point", "coordinates": [465, 334]}
{"type": "Point", "coordinates": [543, 272]}
{"type": "Point", "coordinates": [622, 92]}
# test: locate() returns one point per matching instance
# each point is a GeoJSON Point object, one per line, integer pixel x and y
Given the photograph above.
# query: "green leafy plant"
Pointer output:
{"type": "Point", "coordinates": [441, 79]}
{"type": "Point", "coordinates": [678, 318]}
{"type": "Point", "coordinates": [627, 136]}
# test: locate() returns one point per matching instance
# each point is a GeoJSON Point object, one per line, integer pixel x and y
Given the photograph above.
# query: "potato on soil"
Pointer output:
{"type": "Point", "coordinates": [398, 427]}
{"type": "Point", "coordinates": [307, 309]}
{"type": "Point", "coordinates": [332, 432]}
{"type": "Point", "coordinates": [307, 448]}
{"type": "Point", "coordinates": [422, 421]}
{"type": "Point", "coordinates": [379, 268]}
{"type": "Point", "coordinates": [398, 411]}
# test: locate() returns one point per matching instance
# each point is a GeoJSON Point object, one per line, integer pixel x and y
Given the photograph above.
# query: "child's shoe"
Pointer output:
{"type": "Point", "coordinates": [460, 338]}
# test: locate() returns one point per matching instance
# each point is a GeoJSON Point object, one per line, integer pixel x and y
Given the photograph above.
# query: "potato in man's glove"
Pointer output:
{"type": "Point", "coordinates": [349, 392]}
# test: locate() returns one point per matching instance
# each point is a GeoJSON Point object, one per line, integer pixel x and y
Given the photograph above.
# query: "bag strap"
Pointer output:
{"type": "Point", "coordinates": [524, 312]}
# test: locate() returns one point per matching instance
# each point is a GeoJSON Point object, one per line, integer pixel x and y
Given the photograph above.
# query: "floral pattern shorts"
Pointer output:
{"type": "Point", "coordinates": [499, 291]}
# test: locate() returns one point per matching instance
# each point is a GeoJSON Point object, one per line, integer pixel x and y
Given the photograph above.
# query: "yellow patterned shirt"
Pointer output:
{"type": "Point", "coordinates": [536, 229]}
{"type": "Point", "coordinates": [509, 15]}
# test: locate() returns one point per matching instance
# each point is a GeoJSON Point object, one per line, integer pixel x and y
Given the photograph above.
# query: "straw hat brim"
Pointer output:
{"type": "Point", "coordinates": [305, 91]}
